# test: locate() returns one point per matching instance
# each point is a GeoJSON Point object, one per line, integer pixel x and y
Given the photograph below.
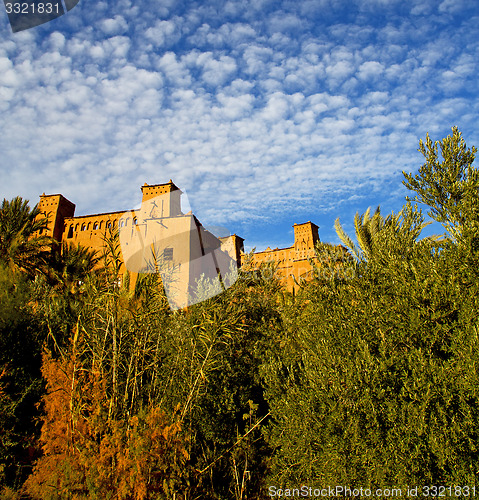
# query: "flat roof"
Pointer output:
{"type": "Point", "coordinates": [121, 212]}
{"type": "Point", "coordinates": [98, 215]}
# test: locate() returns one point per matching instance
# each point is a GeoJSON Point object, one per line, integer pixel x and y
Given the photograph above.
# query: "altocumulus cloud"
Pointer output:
{"type": "Point", "coordinates": [280, 110]}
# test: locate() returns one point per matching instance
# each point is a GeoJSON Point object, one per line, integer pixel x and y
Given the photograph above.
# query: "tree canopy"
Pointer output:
{"type": "Point", "coordinates": [448, 184]}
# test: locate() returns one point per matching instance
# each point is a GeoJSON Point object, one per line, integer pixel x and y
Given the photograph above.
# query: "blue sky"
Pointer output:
{"type": "Point", "coordinates": [268, 113]}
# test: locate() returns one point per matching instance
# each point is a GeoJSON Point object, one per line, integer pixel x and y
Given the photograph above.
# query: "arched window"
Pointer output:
{"type": "Point", "coordinates": [95, 226]}
{"type": "Point", "coordinates": [122, 223]}
{"type": "Point", "coordinates": [70, 232]}
{"type": "Point", "coordinates": [101, 223]}
{"type": "Point", "coordinates": [108, 225]}
{"type": "Point", "coordinates": [76, 228]}
{"type": "Point", "coordinates": [83, 227]}
{"type": "Point", "coordinates": [135, 221]}
{"type": "Point", "coordinates": [88, 226]}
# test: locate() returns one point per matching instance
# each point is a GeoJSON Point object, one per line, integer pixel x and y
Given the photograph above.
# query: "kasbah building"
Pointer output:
{"type": "Point", "coordinates": [161, 206]}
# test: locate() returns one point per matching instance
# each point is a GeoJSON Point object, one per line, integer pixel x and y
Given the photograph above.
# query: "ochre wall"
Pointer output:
{"type": "Point", "coordinates": [292, 262]}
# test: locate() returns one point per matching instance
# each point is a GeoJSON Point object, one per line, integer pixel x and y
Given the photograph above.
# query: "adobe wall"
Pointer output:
{"type": "Point", "coordinates": [293, 263]}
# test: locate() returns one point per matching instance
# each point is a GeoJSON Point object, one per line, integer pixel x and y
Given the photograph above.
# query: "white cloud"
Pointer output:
{"type": "Point", "coordinates": [370, 70]}
{"type": "Point", "coordinates": [8, 77]}
{"type": "Point", "coordinates": [175, 71]}
{"type": "Point", "coordinates": [340, 70]}
{"type": "Point", "coordinates": [114, 26]}
{"type": "Point", "coordinates": [97, 52]}
{"type": "Point", "coordinates": [277, 107]}
{"type": "Point", "coordinates": [238, 33]}
{"type": "Point", "coordinates": [233, 108]}
{"type": "Point", "coordinates": [117, 46]}
{"type": "Point", "coordinates": [283, 22]}
{"type": "Point", "coordinates": [257, 58]}
{"type": "Point", "coordinates": [421, 8]}
{"type": "Point", "coordinates": [161, 32]}
{"type": "Point", "coordinates": [246, 107]}
{"type": "Point", "coordinates": [57, 40]}
{"type": "Point", "coordinates": [216, 72]}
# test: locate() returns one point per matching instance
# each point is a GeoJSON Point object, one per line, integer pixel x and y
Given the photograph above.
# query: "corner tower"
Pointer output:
{"type": "Point", "coordinates": [55, 208]}
{"type": "Point", "coordinates": [305, 237]}
{"type": "Point", "coordinates": [168, 202]}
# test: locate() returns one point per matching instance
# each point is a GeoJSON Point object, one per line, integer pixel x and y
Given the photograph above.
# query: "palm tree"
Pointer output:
{"type": "Point", "coordinates": [22, 247]}
{"type": "Point", "coordinates": [376, 232]}
{"type": "Point", "coordinates": [72, 265]}
{"type": "Point", "coordinates": [366, 228]}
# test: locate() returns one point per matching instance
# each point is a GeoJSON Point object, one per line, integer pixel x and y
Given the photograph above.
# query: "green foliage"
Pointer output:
{"type": "Point", "coordinates": [199, 368]}
{"type": "Point", "coordinates": [112, 257]}
{"type": "Point", "coordinates": [21, 339]}
{"type": "Point", "coordinates": [71, 266]}
{"type": "Point", "coordinates": [449, 186]}
{"type": "Point", "coordinates": [366, 228]}
{"type": "Point", "coordinates": [375, 382]}
{"type": "Point", "coordinates": [234, 331]}
{"type": "Point", "coordinates": [372, 233]}
{"type": "Point", "coordinates": [22, 247]}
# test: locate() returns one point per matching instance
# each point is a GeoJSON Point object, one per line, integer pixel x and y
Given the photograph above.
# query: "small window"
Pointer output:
{"type": "Point", "coordinates": [70, 232]}
{"type": "Point", "coordinates": [83, 227]}
{"type": "Point", "coordinates": [95, 225]}
{"type": "Point", "coordinates": [135, 222]}
{"type": "Point", "coordinates": [168, 254]}
{"type": "Point", "coordinates": [108, 225]}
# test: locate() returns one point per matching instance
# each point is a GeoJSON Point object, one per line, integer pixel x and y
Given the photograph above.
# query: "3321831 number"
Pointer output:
{"type": "Point", "coordinates": [32, 8]}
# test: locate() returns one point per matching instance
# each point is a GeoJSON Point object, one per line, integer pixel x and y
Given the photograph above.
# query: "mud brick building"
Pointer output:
{"type": "Point", "coordinates": [179, 239]}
